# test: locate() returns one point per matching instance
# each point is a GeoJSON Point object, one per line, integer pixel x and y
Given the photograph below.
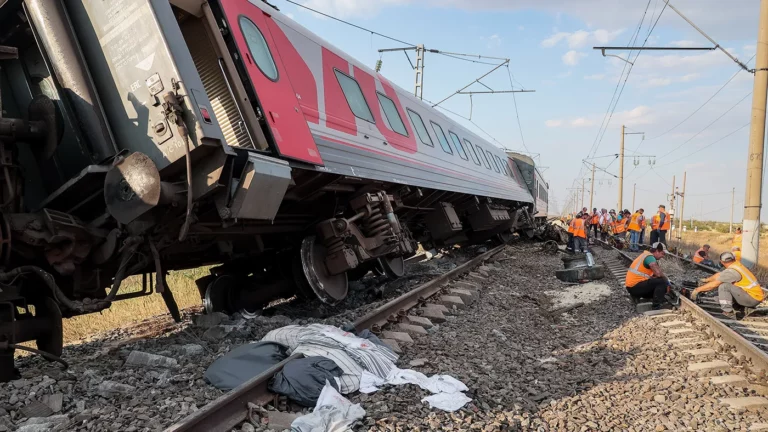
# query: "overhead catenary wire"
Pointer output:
{"type": "Point", "coordinates": [706, 146]}
{"type": "Point", "coordinates": [350, 24]}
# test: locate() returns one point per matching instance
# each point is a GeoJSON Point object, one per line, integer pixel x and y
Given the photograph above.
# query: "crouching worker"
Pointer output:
{"type": "Point", "coordinates": [701, 256]}
{"type": "Point", "coordinates": [735, 284]}
{"type": "Point", "coordinates": [645, 278]}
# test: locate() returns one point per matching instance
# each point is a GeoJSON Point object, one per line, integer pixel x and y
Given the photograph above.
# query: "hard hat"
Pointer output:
{"type": "Point", "coordinates": [727, 257]}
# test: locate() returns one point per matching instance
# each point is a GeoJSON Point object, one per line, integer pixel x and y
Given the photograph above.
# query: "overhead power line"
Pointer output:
{"type": "Point", "coordinates": [349, 23]}
{"type": "Point", "coordinates": [706, 146]}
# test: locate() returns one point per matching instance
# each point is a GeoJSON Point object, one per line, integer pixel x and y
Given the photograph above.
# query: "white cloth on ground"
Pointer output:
{"type": "Point", "coordinates": [447, 401]}
{"type": "Point", "coordinates": [447, 390]}
{"type": "Point", "coordinates": [332, 413]}
{"type": "Point", "coordinates": [352, 354]}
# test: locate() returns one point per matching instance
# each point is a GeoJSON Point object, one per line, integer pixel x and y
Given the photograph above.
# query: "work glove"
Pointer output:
{"type": "Point", "coordinates": [694, 294]}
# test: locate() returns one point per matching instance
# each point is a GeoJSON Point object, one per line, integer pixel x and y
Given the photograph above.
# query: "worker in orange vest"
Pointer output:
{"type": "Point", "coordinates": [594, 221]}
{"type": "Point", "coordinates": [664, 222]}
{"type": "Point", "coordinates": [569, 246]}
{"type": "Point", "coordinates": [735, 284]}
{"type": "Point", "coordinates": [643, 226]}
{"type": "Point", "coordinates": [635, 220]}
{"type": "Point", "coordinates": [619, 228]}
{"type": "Point", "coordinates": [605, 223]}
{"type": "Point", "coordinates": [701, 256]}
{"type": "Point", "coordinates": [580, 233]}
{"type": "Point", "coordinates": [736, 245]}
{"type": "Point", "coordinates": [645, 279]}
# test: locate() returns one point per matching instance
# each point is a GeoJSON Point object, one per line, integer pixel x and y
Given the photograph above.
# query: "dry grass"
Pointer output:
{"type": "Point", "coordinates": [719, 243]}
{"type": "Point", "coordinates": [124, 313]}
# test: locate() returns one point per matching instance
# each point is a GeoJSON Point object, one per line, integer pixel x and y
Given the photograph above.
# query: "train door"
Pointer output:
{"type": "Point", "coordinates": [251, 30]}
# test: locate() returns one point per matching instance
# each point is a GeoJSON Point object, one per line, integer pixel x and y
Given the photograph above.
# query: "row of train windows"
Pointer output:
{"type": "Point", "coordinates": [360, 109]}
{"type": "Point", "coordinates": [359, 106]}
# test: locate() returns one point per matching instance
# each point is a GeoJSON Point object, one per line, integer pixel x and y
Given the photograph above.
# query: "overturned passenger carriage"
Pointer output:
{"type": "Point", "coordinates": [142, 136]}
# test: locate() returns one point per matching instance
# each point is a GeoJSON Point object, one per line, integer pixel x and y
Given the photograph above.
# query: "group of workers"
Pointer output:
{"type": "Point", "coordinates": [736, 284]}
{"type": "Point", "coordinates": [608, 223]}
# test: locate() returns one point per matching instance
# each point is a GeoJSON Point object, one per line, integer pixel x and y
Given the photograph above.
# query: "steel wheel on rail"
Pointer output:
{"type": "Point", "coordinates": [312, 276]}
{"type": "Point", "coordinates": [394, 267]}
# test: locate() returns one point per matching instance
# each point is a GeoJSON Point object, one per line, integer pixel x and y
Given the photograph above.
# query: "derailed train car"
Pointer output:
{"type": "Point", "coordinates": [142, 136]}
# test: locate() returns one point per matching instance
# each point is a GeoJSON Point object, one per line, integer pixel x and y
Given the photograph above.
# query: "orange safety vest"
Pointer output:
{"type": "Point", "coordinates": [637, 272]}
{"type": "Point", "coordinates": [570, 226]}
{"type": "Point", "coordinates": [655, 222]}
{"type": "Point", "coordinates": [667, 221]}
{"type": "Point", "coordinates": [698, 258]}
{"type": "Point", "coordinates": [619, 226]}
{"type": "Point", "coordinates": [634, 225]}
{"type": "Point", "coordinates": [748, 282]}
{"type": "Point", "coordinates": [578, 228]}
{"type": "Point", "coordinates": [595, 219]}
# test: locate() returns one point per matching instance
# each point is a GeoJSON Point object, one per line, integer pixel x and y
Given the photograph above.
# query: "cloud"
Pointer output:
{"type": "Point", "coordinates": [493, 41]}
{"type": "Point", "coordinates": [553, 123]}
{"type": "Point", "coordinates": [571, 58]}
{"type": "Point", "coordinates": [581, 122]}
{"type": "Point", "coordinates": [657, 81]}
{"type": "Point", "coordinates": [692, 62]}
{"type": "Point", "coordinates": [581, 38]}
{"type": "Point", "coordinates": [353, 8]}
{"type": "Point", "coordinates": [596, 77]}
{"type": "Point", "coordinates": [683, 44]}
{"type": "Point", "coordinates": [520, 28]}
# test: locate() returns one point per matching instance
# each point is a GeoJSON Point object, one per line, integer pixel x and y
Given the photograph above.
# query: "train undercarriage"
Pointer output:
{"type": "Point", "coordinates": [80, 212]}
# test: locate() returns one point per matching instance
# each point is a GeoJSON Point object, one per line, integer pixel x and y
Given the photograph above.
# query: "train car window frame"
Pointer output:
{"type": "Point", "coordinates": [485, 158]}
{"type": "Point", "coordinates": [261, 43]}
{"type": "Point", "coordinates": [412, 113]}
{"type": "Point", "coordinates": [501, 165]}
{"type": "Point", "coordinates": [473, 152]}
{"type": "Point", "coordinates": [358, 92]}
{"type": "Point", "coordinates": [443, 142]}
{"type": "Point", "coordinates": [396, 113]}
{"type": "Point", "coordinates": [495, 165]}
{"type": "Point", "coordinates": [459, 146]}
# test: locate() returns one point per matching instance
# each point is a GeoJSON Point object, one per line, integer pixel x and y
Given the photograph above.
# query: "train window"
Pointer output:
{"type": "Point", "coordinates": [441, 137]}
{"type": "Point", "coordinates": [472, 152]}
{"type": "Point", "coordinates": [421, 130]}
{"type": "Point", "coordinates": [501, 165]}
{"type": "Point", "coordinates": [393, 117]}
{"type": "Point", "coordinates": [258, 48]}
{"type": "Point", "coordinates": [459, 146]}
{"type": "Point", "coordinates": [354, 96]}
{"type": "Point", "coordinates": [495, 165]}
{"type": "Point", "coordinates": [484, 158]}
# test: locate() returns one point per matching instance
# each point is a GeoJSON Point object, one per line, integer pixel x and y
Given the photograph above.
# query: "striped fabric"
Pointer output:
{"type": "Point", "coordinates": [351, 353]}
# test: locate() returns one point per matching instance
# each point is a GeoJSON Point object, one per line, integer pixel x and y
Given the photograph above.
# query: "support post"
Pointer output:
{"type": "Point", "coordinates": [733, 196]}
{"type": "Point", "coordinates": [682, 208]}
{"type": "Point", "coordinates": [419, 88]}
{"type": "Point", "coordinates": [621, 171]}
{"type": "Point", "coordinates": [634, 191]}
{"type": "Point", "coordinates": [672, 198]}
{"type": "Point", "coordinates": [750, 243]}
{"type": "Point", "coordinates": [583, 188]}
{"type": "Point", "coordinates": [592, 190]}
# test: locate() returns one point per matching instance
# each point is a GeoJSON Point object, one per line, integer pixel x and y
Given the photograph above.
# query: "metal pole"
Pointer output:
{"type": "Point", "coordinates": [419, 88]}
{"type": "Point", "coordinates": [634, 190]}
{"type": "Point", "coordinates": [682, 207]}
{"type": "Point", "coordinates": [583, 189]}
{"type": "Point", "coordinates": [733, 196]}
{"type": "Point", "coordinates": [750, 243]}
{"type": "Point", "coordinates": [592, 190]}
{"type": "Point", "coordinates": [672, 198]}
{"type": "Point", "coordinates": [621, 171]}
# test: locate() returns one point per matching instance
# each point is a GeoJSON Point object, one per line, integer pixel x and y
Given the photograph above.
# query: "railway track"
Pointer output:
{"type": "Point", "coordinates": [390, 321]}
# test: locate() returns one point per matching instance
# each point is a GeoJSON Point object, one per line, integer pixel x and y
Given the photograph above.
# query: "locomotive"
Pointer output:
{"type": "Point", "coordinates": [143, 136]}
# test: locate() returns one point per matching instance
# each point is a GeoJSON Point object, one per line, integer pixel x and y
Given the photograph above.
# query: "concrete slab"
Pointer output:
{"type": "Point", "coordinates": [466, 296]}
{"type": "Point", "coordinates": [437, 306]}
{"type": "Point", "coordinates": [660, 313]}
{"type": "Point", "coordinates": [467, 285]}
{"type": "Point", "coordinates": [700, 352]}
{"type": "Point", "coordinates": [714, 365]}
{"type": "Point", "coordinates": [687, 340]}
{"type": "Point", "coordinates": [419, 321]}
{"type": "Point", "coordinates": [644, 307]}
{"type": "Point", "coordinates": [393, 345]}
{"type": "Point", "coordinates": [400, 337]}
{"type": "Point", "coordinates": [672, 324]}
{"type": "Point", "coordinates": [411, 329]}
{"type": "Point", "coordinates": [745, 402]}
{"type": "Point", "coordinates": [734, 380]}
{"type": "Point", "coordinates": [451, 301]}
{"type": "Point", "coordinates": [434, 315]}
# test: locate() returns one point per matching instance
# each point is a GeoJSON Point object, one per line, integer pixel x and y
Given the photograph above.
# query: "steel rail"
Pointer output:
{"type": "Point", "coordinates": [231, 409]}
{"type": "Point", "coordinates": [390, 311]}
{"type": "Point", "coordinates": [758, 357]}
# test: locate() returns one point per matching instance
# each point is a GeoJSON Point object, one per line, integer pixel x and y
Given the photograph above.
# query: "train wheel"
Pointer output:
{"type": "Point", "coordinates": [504, 237]}
{"type": "Point", "coordinates": [329, 288]}
{"type": "Point", "coordinates": [218, 295]}
{"type": "Point", "coordinates": [394, 267]}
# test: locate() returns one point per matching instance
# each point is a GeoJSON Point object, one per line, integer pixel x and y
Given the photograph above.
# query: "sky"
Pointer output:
{"type": "Point", "coordinates": [550, 47]}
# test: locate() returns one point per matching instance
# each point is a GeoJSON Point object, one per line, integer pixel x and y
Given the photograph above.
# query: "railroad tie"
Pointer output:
{"type": "Point", "coordinates": [709, 366]}
{"type": "Point", "coordinates": [452, 301]}
{"type": "Point", "coordinates": [467, 296]}
{"type": "Point", "coordinates": [411, 329]}
{"type": "Point", "coordinates": [400, 337]}
{"type": "Point", "coordinates": [419, 321]}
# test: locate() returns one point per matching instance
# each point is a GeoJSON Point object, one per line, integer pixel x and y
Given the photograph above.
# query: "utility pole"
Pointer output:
{"type": "Point", "coordinates": [672, 199]}
{"type": "Point", "coordinates": [621, 172]}
{"type": "Point", "coordinates": [733, 196]}
{"type": "Point", "coordinates": [582, 192]}
{"type": "Point", "coordinates": [634, 190]}
{"type": "Point", "coordinates": [682, 207]}
{"type": "Point", "coordinates": [750, 243]}
{"type": "Point", "coordinates": [592, 189]}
